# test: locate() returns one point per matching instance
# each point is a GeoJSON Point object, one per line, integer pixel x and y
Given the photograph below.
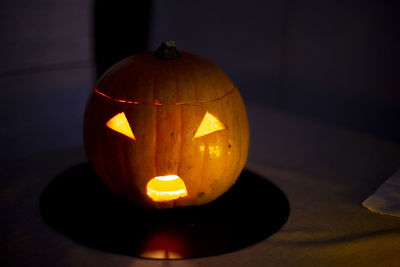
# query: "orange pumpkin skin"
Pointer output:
{"type": "Point", "coordinates": [164, 102]}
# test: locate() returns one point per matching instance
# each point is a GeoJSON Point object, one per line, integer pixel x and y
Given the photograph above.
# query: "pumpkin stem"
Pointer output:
{"type": "Point", "coordinates": [167, 51]}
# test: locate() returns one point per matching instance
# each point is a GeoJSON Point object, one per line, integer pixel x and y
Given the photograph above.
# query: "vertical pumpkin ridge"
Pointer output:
{"type": "Point", "coordinates": [123, 167]}
{"type": "Point", "coordinates": [239, 140]}
{"type": "Point", "coordinates": [180, 145]}
{"type": "Point", "coordinates": [196, 96]}
{"type": "Point", "coordinates": [156, 125]}
{"type": "Point", "coordinates": [203, 162]}
{"type": "Point", "coordinates": [130, 185]}
{"type": "Point", "coordinates": [107, 178]}
{"type": "Point", "coordinates": [244, 124]}
{"type": "Point", "coordinates": [128, 181]}
{"type": "Point", "coordinates": [102, 150]}
{"type": "Point", "coordinates": [154, 108]}
{"type": "Point", "coordinates": [229, 123]}
{"type": "Point", "coordinates": [196, 89]}
{"type": "Point", "coordinates": [176, 135]}
{"type": "Point", "coordinates": [180, 126]}
{"type": "Point", "coordinates": [245, 146]}
{"type": "Point", "coordinates": [108, 174]}
{"type": "Point", "coordinates": [153, 89]}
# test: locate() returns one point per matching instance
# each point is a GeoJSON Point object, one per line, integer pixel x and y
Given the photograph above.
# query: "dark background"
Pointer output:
{"type": "Point", "coordinates": [332, 61]}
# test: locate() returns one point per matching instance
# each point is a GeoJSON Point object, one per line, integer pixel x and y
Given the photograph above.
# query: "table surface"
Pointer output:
{"type": "Point", "coordinates": [325, 173]}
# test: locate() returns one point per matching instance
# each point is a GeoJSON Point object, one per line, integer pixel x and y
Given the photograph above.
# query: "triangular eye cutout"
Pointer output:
{"type": "Point", "coordinates": [120, 124]}
{"type": "Point", "coordinates": [208, 125]}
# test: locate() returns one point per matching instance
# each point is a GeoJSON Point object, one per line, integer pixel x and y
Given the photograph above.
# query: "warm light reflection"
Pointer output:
{"type": "Point", "coordinates": [202, 147]}
{"type": "Point", "coordinates": [214, 151]}
{"type": "Point", "coordinates": [209, 125]}
{"type": "Point", "coordinates": [164, 188]}
{"type": "Point", "coordinates": [163, 244]}
{"type": "Point", "coordinates": [120, 124]}
{"type": "Point", "coordinates": [160, 254]}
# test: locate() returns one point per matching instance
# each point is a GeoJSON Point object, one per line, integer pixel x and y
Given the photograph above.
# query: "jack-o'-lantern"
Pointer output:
{"type": "Point", "coordinates": [166, 129]}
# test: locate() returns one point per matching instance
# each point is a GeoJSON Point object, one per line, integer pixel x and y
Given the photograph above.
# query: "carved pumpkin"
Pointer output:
{"type": "Point", "coordinates": [166, 129]}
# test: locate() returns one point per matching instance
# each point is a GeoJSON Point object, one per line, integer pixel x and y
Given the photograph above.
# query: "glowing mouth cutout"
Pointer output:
{"type": "Point", "coordinates": [165, 188]}
{"type": "Point", "coordinates": [209, 125]}
{"type": "Point", "coordinates": [120, 124]}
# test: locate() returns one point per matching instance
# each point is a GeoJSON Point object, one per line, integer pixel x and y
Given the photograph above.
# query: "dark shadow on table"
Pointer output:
{"type": "Point", "coordinates": [79, 206]}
